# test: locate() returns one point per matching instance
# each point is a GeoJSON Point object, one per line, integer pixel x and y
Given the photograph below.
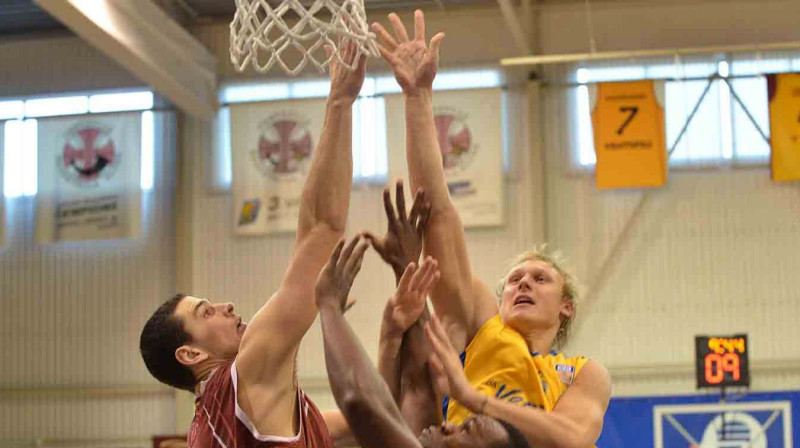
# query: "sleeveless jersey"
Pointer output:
{"type": "Point", "coordinates": [219, 422]}
{"type": "Point", "coordinates": [498, 364]}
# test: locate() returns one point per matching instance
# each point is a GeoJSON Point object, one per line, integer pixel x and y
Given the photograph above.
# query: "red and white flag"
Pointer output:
{"type": "Point", "coordinates": [469, 130]}
{"type": "Point", "coordinates": [272, 143]}
{"type": "Point", "coordinates": [89, 177]}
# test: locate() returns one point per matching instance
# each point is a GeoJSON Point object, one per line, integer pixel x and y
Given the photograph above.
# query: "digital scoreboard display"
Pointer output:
{"type": "Point", "coordinates": [721, 361]}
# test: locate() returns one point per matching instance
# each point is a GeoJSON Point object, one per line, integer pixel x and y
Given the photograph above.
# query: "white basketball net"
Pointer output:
{"type": "Point", "coordinates": [260, 35]}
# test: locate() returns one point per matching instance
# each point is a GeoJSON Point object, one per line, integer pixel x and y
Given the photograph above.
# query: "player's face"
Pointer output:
{"type": "Point", "coordinates": [214, 327]}
{"type": "Point", "coordinates": [533, 297]}
{"type": "Point", "coordinates": [476, 432]}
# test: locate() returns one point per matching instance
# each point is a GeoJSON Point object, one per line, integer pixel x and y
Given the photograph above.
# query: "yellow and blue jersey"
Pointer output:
{"type": "Point", "coordinates": [498, 364]}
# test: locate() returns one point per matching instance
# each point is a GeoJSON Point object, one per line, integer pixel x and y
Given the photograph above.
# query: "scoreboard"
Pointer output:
{"type": "Point", "coordinates": [721, 361]}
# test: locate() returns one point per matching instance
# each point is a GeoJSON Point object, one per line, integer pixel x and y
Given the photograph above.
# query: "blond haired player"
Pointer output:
{"type": "Point", "coordinates": [510, 369]}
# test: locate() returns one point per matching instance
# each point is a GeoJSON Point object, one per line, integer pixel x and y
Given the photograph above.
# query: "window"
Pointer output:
{"type": "Point", "coordinates": [720, 132]}
{"type": "Point", "coordinates": [370, 158]}
{"type": "Point", "coordinates": [20, 145]}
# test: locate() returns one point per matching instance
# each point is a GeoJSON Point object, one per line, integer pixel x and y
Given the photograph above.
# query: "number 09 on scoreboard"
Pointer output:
{"type": "Point", "coordinates": [721, 361]}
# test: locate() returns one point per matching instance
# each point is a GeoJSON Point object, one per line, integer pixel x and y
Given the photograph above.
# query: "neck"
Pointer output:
{"type": "Point", "coordinates": [203, 371]}
{"type": "Point", "coordinates": [540, 341]}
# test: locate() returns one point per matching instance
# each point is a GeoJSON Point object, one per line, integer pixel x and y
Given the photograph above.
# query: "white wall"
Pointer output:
{"type": "Point", "coordinates": [715, 251]}
{"type": "Point", "coordinates": [72, 312]}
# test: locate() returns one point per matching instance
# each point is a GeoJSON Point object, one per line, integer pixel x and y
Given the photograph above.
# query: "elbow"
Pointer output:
{"type": "Point", "coordinates": [575, 439]}
{"type": "Point", "coordinates": [353, 403]}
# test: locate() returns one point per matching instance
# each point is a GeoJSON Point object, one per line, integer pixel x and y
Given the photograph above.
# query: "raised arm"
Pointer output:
{"type": "Point", "coordinates": [359, 390]}
{"type": "Point", "coordinates": [266, 360]}
{"type": "Point", "coordinates": [403, 349]}
{"type": "Point", "coordinates": [414, 64]}
{"type": "Point", "coordinates": [575, 422]}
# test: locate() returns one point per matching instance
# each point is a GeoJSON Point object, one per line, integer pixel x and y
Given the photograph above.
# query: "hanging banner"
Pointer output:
{"type": "Point", "coordinates": [784, 123]}
{"type": "Point", "coordinates": [469, 129]}
{"type": "Point", "coordinates": [272, 144]}
{"type": "Point", "coordinates": [629, 135]}
{"type": "Point", "coordinates": [752, 419]}
{"type": "Point", "coordinates": [89, 177]}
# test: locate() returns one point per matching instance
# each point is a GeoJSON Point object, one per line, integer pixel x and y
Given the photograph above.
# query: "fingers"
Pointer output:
{"type": "Point", "coordinates": [430, 277]}
{"type": "Point", "coordinates": [354, 263]}
{"type": "Point", "coordinates": [419, 26]}
{"type": "Point", "coordinates": [389, 208]}
{"type": "Point", "coordinates": [336, 252]}
{"type": "Point", "coordinates": [416, 207]}
{"type": "Point", "coordinates": [422, 225]}
{"type": "Point", "coordinates": [435, 45]}
{"type": "Point", "coordinates": [426, 269]}
{"type": "Point", "coordinates": [377, 243]}
{"type": "Point", "coordinates": [433, 338]}
{"type": "Point", "coordinates": [400, 197]}
{"type": "Point", "coordinates": [399, 28]}
{"type": "Point", "coordinates": [386, 40]}
{"type": "Point", "coordinates": [347, 252]}
{"type": "Point", "coordinates": [441, 334]}
{"type": "Point", "coordinates": [408, 275]}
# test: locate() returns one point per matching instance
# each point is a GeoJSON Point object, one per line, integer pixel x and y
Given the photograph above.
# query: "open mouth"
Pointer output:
{"type": "Point", "coordinates": [524, 300]}
{"type": "Point", "coordinates": [240, 326]}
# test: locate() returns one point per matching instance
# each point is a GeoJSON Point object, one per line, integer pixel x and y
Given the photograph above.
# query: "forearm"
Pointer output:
{"type": "Point", "coordinates": [418, 401]}
{"type": "Point", "coordinates": [326, 193]}
{"type": "Point", "coordinates": [543, 429]}
{"type": "Point", "coordinates": [389, 346]}
{"type": "Point", "coordinates": [354, 380]}
{"type": "Point", "coordinates": [422, 151]}
{"type": "Point", "coordinates": [358, 389]}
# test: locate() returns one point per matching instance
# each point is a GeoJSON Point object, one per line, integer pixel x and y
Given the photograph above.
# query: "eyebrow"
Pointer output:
{"type": "Point", "coordinates": [198, 305]}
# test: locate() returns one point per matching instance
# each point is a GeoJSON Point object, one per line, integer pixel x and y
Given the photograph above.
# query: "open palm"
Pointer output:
{"type": "Point", "coordinates": [413, 62]}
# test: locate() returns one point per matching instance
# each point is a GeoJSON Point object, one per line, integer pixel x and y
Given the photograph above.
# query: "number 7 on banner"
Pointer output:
{"type": "Point", "coordinates": [629, 136]}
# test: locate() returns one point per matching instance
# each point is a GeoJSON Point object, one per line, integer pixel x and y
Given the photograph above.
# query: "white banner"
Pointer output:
{"type": "Point", "coordinates": [89, 177]}
{"type": "Point", "coordinates": [470, 137]}
{"type": "Point", "coordinates": [272, 143]}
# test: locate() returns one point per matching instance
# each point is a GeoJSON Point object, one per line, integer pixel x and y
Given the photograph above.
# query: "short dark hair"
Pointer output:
{"type": "Point", "coordinates": [161, 336]}
{"type": "Point", "coordinates": [516, 439]}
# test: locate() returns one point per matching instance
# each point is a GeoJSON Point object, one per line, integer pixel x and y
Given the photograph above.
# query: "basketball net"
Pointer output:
{"type": "Point", "coordinates": [261, 36]}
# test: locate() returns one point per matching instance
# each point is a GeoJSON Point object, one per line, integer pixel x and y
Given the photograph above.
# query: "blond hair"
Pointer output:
{"type": "Point", "coordinates": [569, 293]}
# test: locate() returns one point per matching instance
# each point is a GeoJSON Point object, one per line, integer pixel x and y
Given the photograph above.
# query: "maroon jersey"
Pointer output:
{"type": "Point", "coordinates": [219, 422]}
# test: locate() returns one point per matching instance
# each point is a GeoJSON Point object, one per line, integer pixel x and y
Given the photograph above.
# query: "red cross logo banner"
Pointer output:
{"type": "Point", "coordinates": [455, 139]}
{"type": "Point", "coordinates": [88, 154]}
{"type": "Point", "coordinates": [284, 146]}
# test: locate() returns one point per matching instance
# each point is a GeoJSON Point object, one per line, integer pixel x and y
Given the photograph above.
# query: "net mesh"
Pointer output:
{"type": "Point", "coordinates": [292, 35]}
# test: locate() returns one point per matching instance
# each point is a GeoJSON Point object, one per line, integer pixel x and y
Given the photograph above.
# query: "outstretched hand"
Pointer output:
{"type": "Point", "coordinates": [446, 369]}
{"type": "Point", "coordinates": [408, 301]}
{"type": "Point", "coordinates": [346, 84]}
{"type": "Point", "coordinates": [336, 278]}
{"type": "Point", "coordinates": [413, 62]}
{"type": "Point", "coordinates": [402, 243]}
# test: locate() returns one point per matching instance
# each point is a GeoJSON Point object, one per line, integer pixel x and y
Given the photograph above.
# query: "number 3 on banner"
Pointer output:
{"type": "Point", "coordinates": [632, 110]}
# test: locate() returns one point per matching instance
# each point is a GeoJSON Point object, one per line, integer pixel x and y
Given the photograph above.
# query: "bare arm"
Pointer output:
{"type": "Point", "coordinates": [359, 390]}
{"type": "Point", "coordinates": [575, 422]}
{"type": "Point", "coordinates": [414, 66]}
{"type": "Point", "coordinates": [265, 362]}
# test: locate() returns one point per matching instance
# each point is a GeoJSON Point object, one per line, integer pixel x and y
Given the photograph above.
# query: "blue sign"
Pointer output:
{"type": "Point", "coordinates": [754, 420]}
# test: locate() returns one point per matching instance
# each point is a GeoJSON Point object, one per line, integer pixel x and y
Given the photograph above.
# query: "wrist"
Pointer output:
{"type": "Point", "coordinates": [340, 102]}
{"type": "Point", "coordinates": [389, 329]}
{"type": "Point", "coordinates": [475, 401]}
{"type": "Point", "coordinates": [329, 306]}
{"type": "Point", "coordinates": [418, 94]}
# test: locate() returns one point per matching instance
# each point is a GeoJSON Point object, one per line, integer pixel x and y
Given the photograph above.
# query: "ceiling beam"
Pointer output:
{"type": "Point", "coordinates": [143, 39]}
{"type": "Point", "coordinates": [519, 30]}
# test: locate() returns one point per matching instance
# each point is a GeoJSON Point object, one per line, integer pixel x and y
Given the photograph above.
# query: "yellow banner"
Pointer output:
{"type": "Point", "coordinates": [629, 136]}
{"type": "Point", "coordinates": [784, 123]}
